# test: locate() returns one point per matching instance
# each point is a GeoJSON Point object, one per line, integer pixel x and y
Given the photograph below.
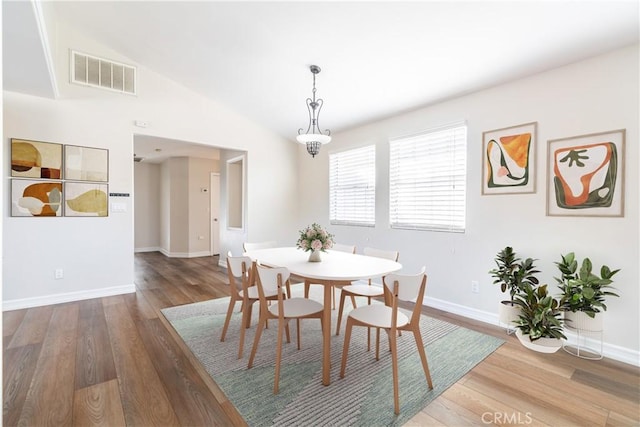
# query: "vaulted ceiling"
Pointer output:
{"type": "Point", "coordinates": [377, 58]}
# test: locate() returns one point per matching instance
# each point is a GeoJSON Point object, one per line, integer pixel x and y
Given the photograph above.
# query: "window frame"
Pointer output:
{"type": "Point", "coordinates": [361, 219]}
{"type": "Point", "coordinates": [456, 167]}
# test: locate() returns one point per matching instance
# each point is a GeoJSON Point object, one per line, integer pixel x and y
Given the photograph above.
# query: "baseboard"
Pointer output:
{"type": "Point", "coordinates": [461, 310]}
{"type": "Point", "coordinates": [18, 304]}
{"type": "Point", "coordinates": [184, 254]}
{"type": "Point", "coordinates": [149, 249]}
{"type": "Point", "coordinates": [611, 351]}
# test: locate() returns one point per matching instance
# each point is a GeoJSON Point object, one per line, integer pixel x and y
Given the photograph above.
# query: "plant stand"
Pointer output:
{"type": "Point", "coordinates": [586, 329]}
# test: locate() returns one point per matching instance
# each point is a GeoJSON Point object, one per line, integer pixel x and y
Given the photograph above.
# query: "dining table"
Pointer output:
{"type": "Point", "coordinates": [335, 268]}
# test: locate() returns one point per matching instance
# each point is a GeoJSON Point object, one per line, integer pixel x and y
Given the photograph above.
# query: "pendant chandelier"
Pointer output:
{"type": "Point", "coordinates": [313, 136]}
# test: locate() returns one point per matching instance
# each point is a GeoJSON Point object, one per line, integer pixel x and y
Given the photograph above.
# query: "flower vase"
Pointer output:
{"type": "Point", "coordinates": [314, 256]}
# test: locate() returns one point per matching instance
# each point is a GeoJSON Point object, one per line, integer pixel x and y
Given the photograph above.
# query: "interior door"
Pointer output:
{"type": "Point", "coordinates": [214, 199]}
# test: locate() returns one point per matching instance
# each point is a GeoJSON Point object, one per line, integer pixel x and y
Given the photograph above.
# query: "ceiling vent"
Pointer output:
{"type": "Point", "coordinates": [88, 70]}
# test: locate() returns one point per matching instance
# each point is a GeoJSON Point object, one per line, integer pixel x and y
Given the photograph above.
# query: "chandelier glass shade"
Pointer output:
{"type": "Point", "coordinates": [313, 137]}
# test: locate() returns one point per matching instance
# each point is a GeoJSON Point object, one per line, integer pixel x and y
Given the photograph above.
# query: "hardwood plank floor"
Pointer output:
{"type": "Point", "coordinates": [116, 361]}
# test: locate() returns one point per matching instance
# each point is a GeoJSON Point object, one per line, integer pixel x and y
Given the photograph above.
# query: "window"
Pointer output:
{"type": "Point", "coordinates": [427, 179]}
{"type": "Point", "coordinates": [352, 186]}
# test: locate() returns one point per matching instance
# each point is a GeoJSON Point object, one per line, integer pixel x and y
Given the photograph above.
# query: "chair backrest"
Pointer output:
{"type": "Point", "coordinates": [410, 287]}
{"type": "Point", "coordinates": [379, 253]}
{"type": "Point", "coordinates": [252, 246]}
{"type": "Point", "coordinates": [238, 267]}
{"type": "Point", "coordinates": [271, 280]}
{"type": "Point", "coordinates": [344, 248]}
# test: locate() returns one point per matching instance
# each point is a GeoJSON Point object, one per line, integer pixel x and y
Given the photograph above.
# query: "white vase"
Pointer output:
{"type": "Point", "coordinates": [314, 256]}
{"type": "Point", "coordinates": [508, 313]}
{"type": "Point", "coordinates": [581, 321]}
{"type": "Point", "coordinates": [542, 345]}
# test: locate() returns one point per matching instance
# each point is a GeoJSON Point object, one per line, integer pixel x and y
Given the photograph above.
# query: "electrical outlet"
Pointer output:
{"type": "Point", "coordinates": [59, 273]}
{"type": "Point", "coordinates": [475, 287]}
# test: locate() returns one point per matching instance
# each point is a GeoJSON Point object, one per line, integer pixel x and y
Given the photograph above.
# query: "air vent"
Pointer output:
{"type": "Point", "coordinates": [88, 70]}
{"type": "Point", "coordinates": [137, 159]}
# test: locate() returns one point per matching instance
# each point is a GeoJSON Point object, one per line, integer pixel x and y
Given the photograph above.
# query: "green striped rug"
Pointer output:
{"type": "Point", "coordinates": [363, 398]}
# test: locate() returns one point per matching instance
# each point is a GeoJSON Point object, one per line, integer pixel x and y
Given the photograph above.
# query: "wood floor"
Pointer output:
{"type": "Point", "coordinates": [115, 361]}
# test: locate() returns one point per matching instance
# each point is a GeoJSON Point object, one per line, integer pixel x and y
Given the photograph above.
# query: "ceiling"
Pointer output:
{"type": "Point", "coordinates": [378, 59]}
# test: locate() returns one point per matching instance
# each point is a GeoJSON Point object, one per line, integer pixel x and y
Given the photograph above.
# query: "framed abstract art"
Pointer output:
{"type": "Point", "coordinates": [35, 159]}
{"type": "Point", "coordinates": [508, 160]}
{"type": "Point", "coordinates": [36, 198]}
{"type": "Point", "coordinates": [86, 199]}
{"type": "Point", "coordinates": [585, 175]}
{"type": "Point", "coordinates": [86, 163]}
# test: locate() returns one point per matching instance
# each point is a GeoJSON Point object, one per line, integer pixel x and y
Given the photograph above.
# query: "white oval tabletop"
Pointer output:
{"type": "Point", "coordinates": [335, 265]}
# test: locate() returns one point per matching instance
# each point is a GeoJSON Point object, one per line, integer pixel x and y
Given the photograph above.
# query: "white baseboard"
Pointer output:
{"type": "Point", "coordinates": [149, 249]}
{"type": "Point", "coordinates": [18, 304]}
{"type": "Point", "coordinates": [461, 310]}
{"type": "Point", "coordinates": [610, 351]}
{"type": "Point", "coordinates": [184, 254]}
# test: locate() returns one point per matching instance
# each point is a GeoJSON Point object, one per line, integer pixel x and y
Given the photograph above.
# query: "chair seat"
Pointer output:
{"type": "Point", "coordinates": [378, 316]}
{"type": "Point", "coordinates": [364, 290]}
{"type": "Point", "coordinates": [297, 307]}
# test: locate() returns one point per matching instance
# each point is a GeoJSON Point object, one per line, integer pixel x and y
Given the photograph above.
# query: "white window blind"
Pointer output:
{"type": "Point", "coordinates": [352, 186]}
{"type": "Point", "coordinates": [427, 179]}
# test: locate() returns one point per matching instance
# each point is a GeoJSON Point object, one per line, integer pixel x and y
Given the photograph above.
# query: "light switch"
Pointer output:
{"type": "Point", "coordinates": [118, 207]}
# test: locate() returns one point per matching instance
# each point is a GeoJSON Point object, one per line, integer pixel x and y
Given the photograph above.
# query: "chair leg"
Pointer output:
{"type": "Point", "coordinates": [286, 329]}
{"type": "Point", "coordinates": [369, 333]}
{"type": "Point", "coordinates": [423, 357]}
{"type": "Point", "coordinates": [298, 331]}
{"type": "Point", "coordinates": [246, 312]}
{"type": "Point", "coordinates": [394, 366]}
{"type": "Point", "coordinates": [345, 348]}
{"type": "Point", "coordinates": [276, 381]}
{"type": "Point", "coordinates": [249, 309]}
{"type": "Point", "coordinates": [341, 307]}
{"type": "Point", "coordinates": [307, 285]}
{"type": "Point", "coordinates": [256, 341]}
{"type": "Point", "coordinates": [232, 303]}
{"type": "Point", "coordinates": [377, 343]}
{"type": "Point", "coordinates": [333, 290]}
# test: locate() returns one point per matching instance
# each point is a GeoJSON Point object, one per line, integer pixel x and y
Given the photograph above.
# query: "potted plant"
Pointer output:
{"type": "Point", "coordinates": [539, 324]}
{"type": "Point", "coordinates": [583, 292]}
{"type": "Point", "coordinates": [512, 274]}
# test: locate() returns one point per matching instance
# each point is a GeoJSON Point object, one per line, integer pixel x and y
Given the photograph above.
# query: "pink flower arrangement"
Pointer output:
{"type": "Point", "coordinates": [314, 238]}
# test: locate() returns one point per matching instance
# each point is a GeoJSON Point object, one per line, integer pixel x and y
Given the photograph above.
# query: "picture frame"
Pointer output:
{"type": "Point", "coordinates": [86, 199]}
{"type": "Point", "coordinates": [35, 159]}
{"type": "Point", "coordinates": [86, 163]}
{"type": "Point", "coordinates": [508, 160]}
{"type": "Point", "coordinates": [585, 175]}
{"type": "Point", "coordinates": [36, 198]}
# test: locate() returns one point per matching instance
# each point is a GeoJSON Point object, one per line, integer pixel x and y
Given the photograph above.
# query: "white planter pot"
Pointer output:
{"type": "Point", "coordinates": [580, 321]}
{"type": "Point", "coordinates": [508, 313]}
{"type": "Point", "coordinates": [542, 345]}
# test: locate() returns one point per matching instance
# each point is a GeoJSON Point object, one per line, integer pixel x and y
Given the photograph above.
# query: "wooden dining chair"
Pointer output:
{"type": "Point", "coordinates": [336, 247]}
{"type": "Point", "coordinates": [365, 288]}
{"type": "Point", "coordinates": [241, 285]}
{"type": "Point", "coordinates": [399, 287]}
{"type": "Point", "coordinates": [272, 280]}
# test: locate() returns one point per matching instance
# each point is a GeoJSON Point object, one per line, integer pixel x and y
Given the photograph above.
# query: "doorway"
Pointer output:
{"type": "Point", "coordinates": [214, 199]}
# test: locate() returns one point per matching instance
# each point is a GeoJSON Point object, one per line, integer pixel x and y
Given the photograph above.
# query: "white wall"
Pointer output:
{"type": "Point", "coordinates": [199, 205]}
{"type": "Point", "coordinates": [147, 206]}
{"type": "Point", "coordinates": [597, 95]}
{"type": "Point", "coordinates": [97, 253]}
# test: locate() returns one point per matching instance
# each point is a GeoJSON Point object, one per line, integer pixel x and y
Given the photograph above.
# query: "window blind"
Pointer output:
{"type": "Point", "coordinates": [427, 180]}
{"type": "Point", "coordinates": [352, 186]}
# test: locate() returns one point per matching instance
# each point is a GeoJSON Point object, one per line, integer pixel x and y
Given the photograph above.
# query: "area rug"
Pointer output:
{"type": "Point", "coordinates": [363, 398]}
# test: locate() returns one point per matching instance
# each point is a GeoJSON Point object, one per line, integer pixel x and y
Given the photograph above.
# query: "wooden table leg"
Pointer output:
{"type": "Point", "coordinates": [326, 335]}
